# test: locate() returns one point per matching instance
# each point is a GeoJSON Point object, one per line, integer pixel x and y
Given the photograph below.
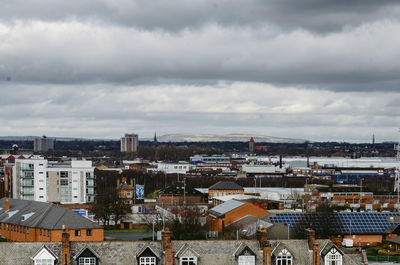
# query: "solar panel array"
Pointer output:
{"type": "Point", "coordinates": [340, 223]}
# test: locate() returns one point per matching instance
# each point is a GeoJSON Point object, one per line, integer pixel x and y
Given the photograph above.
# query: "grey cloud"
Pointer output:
{"type": "Point", "coordinates": [315, 15]}
{"type": "Point", "coordinates": [79, 53]}
{"type": "Point", "coordinates": [98, 111]}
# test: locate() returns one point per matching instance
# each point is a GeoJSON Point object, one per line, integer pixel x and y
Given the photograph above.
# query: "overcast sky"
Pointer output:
{"type": "Point", "coordinates": [309, 69]}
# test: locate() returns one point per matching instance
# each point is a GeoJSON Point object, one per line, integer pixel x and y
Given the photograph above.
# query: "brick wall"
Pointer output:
{"type": "Point", "coordinates": [234, 215]}
{"type": "Point", "coordinates": [28, 234]}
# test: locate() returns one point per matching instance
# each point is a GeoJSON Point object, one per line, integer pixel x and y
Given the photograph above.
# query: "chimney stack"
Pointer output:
{"type": "Point", "coordinates": [261, 235]}
{"type": "Point", "coordinates": [311, 238]}
{"type": "Point", "coordinates": [316, 257]}
{"type": "Point", "coordinates": [66, 245]}
{"type": "Point", "coordinates": [167, 246]}
{"type": "Point", "coordinates": [264, 244]}
{"type": "Point", "coordinates": [7, 205]}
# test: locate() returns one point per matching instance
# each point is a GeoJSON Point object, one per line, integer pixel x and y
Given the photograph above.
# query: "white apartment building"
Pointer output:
{"type": "Point", "coordinates": [47, 181]}
{"type": "Point", "coordinates": [171, 168]}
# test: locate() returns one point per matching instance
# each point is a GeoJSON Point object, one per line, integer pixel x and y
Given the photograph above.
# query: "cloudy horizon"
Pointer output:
{"type": "Point", "coordinates": [309, 69]}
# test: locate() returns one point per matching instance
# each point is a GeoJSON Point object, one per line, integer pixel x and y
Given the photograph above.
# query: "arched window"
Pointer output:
{"type": "Point", "coordinates": [333, 257]}
{"type": "Point", "coordinates": [284, 258]}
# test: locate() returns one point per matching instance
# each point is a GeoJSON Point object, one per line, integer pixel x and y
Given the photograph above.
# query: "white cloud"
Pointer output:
{"type": "Point", "coordinates": [100, 111]}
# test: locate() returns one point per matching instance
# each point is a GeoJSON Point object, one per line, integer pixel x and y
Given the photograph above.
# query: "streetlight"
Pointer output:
{"type": "Point", "coordinates": [153, 228]}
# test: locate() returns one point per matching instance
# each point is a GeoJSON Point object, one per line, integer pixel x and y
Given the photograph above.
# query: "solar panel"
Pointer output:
{"type": "Point", "coordinates": [344, 223]}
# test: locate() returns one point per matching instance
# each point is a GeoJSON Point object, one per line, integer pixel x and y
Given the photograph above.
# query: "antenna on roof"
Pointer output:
{"type": "Point", "coordinates": [397, 174]}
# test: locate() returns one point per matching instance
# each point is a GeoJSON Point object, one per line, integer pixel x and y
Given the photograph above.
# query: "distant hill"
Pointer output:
{"type": "Point", "coordinates": [224, 138]}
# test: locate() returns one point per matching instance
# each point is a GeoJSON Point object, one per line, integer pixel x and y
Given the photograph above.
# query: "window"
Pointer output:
{"type": "Point", "coordinates": [333, 257]}
{"type": "Point", "coordinates": [64, 182]}
{"type": "Point", "coordinates": [247, 260]}
{"type": "Point", "coordinates": [77, 232]}
{"type": "Point", "coordinates": [44, 262]}
{"type": "Point", "coordinates": [89, 232]}
{"type": "Point", "coordinates": [188, 261]}
{"type": "Point", "coordinates": [284, 258]}
{"type": "Point", "coordinates": [147, 261]}
{"type": "Point", "coordinates": [87, 261]}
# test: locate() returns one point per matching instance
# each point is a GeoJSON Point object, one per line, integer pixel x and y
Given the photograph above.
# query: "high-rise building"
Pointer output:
{"type": "Point", "coordinates": [129, 143]}
{"type": "Point", "coordinates": [43, 144]}
{"type": "Point", "coordinates": [47, 181]}
{"type": "Point", "coordinates": [251, 145]}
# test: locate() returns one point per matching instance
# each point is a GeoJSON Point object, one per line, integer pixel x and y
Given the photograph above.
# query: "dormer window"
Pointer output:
{"type": "Point", "coordinates": [87, 261]}
{"type": "Point", "coordinates": [333, 257]}
{"type": "Point", "coordinates": [147, 261]}
{"type": "Point", "coordinates": [188, 261]}
{"type": "Point", "coordinates": [284, 258]}
{"type": "Point", "coordinates": [44, 257]}
{"type": "Point", "coordinates": [147, 256]}
{"type": "Point", "coordinates": [87, 257]}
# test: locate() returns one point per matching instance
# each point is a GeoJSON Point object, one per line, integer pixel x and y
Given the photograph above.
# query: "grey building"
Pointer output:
{"type": "Point", "coordinates": [43, 144]}
{"type": "Point", "coordinates": [129, 143]}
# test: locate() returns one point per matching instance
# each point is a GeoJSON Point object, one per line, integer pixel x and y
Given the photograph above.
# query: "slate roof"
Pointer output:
{"type": "Point", "coordinates": [302, 255]}
{"type": "Point", "coordinates": [225, 185]}
{"type": "Point", "coordinates": [43, 215]}
{"type": "Point", "coordinates": [225, 207]}
{"type": "Point", "coordinates": [221, 252]}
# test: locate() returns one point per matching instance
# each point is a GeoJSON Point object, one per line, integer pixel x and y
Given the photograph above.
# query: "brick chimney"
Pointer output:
{"type": "Point", "coordinates": [7, 205]}
{"type": "Point", "coordinates": [167, 246]}
{"type": "Point", "coordinates": [316, 256]}
{"type": "Point", "coordinates": [264, 244]}
{"type": "Point", "coordinates": [66, 245]}
{"type": "Point", "coordinates": [261, 235]}
{"type": "Point", "coordinates": [310, 238]}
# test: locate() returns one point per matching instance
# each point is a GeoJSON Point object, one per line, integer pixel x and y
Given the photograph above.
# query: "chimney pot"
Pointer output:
{"type": "Point", "coordinates": [7, 205]}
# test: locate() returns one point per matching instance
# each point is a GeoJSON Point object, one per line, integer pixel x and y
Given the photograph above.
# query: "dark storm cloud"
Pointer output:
{"type": "Point", "coordinates": [362, 58]}
{"type": "Point", "coordinates": [315, 15]}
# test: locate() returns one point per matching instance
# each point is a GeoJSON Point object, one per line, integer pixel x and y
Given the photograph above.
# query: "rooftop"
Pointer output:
{"type": "Point", "coordinates": [225, 185]}
{"type": "Point", "coordinates": [43, 215]}
{"type": "Point", "coordinates": [225, 207]}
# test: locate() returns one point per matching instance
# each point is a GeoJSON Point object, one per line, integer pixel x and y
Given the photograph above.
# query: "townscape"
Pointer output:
{"type": "Point", "coordinates": [245, 207]}
{"type": "Point", "coordinates": [199, 132]}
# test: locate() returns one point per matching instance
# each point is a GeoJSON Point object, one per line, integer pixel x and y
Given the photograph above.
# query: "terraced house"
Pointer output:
{"type": "Point", "coordinates": [191, 252]}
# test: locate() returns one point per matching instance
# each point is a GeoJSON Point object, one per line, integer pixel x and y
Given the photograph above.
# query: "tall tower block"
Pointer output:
{"type": "Point", "coordinates": [251, 145]}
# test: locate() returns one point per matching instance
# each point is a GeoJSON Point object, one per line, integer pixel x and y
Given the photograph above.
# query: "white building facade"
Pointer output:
{"type": "Point", "coordinates": [61, 182]}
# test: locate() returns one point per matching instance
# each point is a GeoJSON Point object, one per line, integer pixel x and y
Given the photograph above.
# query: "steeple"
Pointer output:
{"type": "Point", "coordinates": [155, 138]}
